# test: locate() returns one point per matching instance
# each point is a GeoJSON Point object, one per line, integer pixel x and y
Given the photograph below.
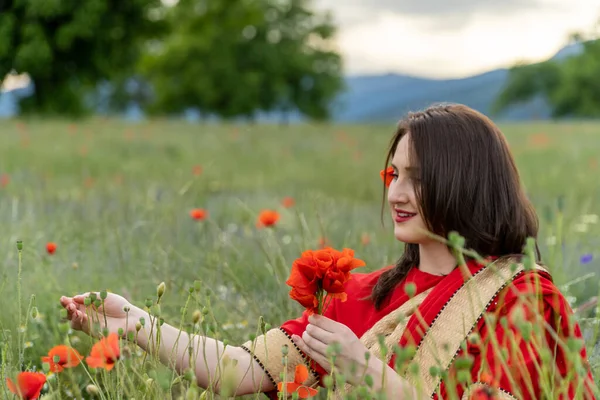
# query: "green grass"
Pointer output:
{"type": "Point", "coordinates": [115, 199]}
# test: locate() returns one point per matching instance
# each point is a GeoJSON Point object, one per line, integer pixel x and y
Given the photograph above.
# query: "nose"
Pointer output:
{"type": "Point", "coordinates": [398, 192]}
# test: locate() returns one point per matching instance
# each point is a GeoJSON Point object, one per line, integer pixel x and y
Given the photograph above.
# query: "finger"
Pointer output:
{"type": "Point", "coordinates": [314, 343]}
{"type": "Point", "coordinates": [80, 298]}
{"type": "Point", "coordinates": [64, 301]}
{"type": "Point", "coordinates": [320, 334]}
{"type": "Point", "coordinates": [326, 323]}
{"type": "Point", "coordinates": [312, 354]}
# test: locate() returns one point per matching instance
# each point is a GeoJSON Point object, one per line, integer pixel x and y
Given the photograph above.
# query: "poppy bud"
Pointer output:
{"type": "Point", "coordinates": [160, 290]}
{"type": "Point", "coordinates": [410, 289]}
{"type": "Point", "coordinates": [92, 390]}
{"type": "Point", "coordinates": [97, 303]}
{"type": "Point", "coordinates": [196, 316]}
{"type": "Point", "coordinates": [34, 312]}
{"type": "Point", "coordinates": [148, 303]}
{"type": "Point", "coordinates": [189, 375]}
{"type": "Point", "coordinates": [126, 309]}
{"type": "Point", "coordinates": [87, 301]}
{"type": "Point", "coordinates": [19, 245]}
{"type": "Point", "coordinates": [197, 285]}
{"type": "Point", "coordinates": [138, 326]}
{"type": "Point", "coordinates": [103, 295]}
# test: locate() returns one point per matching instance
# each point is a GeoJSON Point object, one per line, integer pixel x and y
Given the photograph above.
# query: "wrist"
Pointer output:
{"type": "Point", "coordinates": [133, 319]}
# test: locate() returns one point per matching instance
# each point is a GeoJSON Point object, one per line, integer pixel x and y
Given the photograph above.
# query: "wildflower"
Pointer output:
{"type": "Point", "coordinates": [387, 175]}
{"type": "Point", "coordinates": [365, 239]}
{"type": "Point", "coordinates": [105, 353]}
{"type": "Point", "coordinates": [323, 242]}
{"type": "Point", "coordinates": [581, 227]}
{"type": "Point", "coordinates": [51, 247]}
{"type": "Point", "coordinates": [589, 219]}
{"type": "Point", "coordinates": [317, 276]}
{"type": "Point", "coordinates": [4, 180]}
{"type": "Point", "coordinates": [288, 202]}
{"type": "Point", "coordinates": [199, 214]}
{"type": "Point", "coordinates": [197, 170]}
{"type": "Point", "coordinates": [586, 258]}
{"type": "Point", "coordinates": [61, 357]}
{"type": "Point", "coordinates": [30, 385]}
{"type": "Point", "coordinates": [267, 218]}
{"type": "Point", "coordinates": [539, 140]}
{"type": "Point", "coordinates": [301, 375]}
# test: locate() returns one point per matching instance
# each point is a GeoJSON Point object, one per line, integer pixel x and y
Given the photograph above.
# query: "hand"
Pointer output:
{"type": "Point", "coordinates": [320, 333]}
{"type": "Point", "coordinates": [111, 314]}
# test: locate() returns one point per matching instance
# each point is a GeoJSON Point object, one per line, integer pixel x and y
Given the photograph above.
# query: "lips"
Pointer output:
{"type": "Point", "coordinates": [402, 215]}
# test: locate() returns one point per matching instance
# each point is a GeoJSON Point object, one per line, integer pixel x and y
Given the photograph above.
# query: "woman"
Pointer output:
{"type": "Point", "coordinates": [433, 327]}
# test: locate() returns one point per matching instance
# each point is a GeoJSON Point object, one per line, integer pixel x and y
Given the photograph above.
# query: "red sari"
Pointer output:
{"type": "Point", "coordinates": [515, 377]}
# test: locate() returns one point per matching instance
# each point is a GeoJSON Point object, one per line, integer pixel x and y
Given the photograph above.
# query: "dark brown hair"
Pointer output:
{"type": "Point", "coordinates": [468, 183]}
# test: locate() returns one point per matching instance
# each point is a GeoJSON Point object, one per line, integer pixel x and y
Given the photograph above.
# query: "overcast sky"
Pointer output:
{"type": "Point", "coordinates": [453, 38]}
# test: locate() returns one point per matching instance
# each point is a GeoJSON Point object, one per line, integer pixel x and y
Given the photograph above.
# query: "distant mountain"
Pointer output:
{"type": "Point", "coordinates": [385, 98]}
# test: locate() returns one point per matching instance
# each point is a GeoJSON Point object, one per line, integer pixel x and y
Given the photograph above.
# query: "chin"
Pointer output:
{"type": "Point", "coordinates": [407, 235]}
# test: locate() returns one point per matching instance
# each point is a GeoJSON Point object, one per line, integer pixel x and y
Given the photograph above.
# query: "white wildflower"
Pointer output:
{"type": "Point", "coordinates": [581, 228]}
{"type": "Point", "coordinates": [589, 219]}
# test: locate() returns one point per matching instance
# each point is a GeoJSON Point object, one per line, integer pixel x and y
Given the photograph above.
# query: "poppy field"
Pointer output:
{"type": "Point", "coordinates": [201, 224]}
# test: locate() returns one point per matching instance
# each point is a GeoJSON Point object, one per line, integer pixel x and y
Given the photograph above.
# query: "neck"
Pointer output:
{"type": "Point", "coordinates": [436, 259]}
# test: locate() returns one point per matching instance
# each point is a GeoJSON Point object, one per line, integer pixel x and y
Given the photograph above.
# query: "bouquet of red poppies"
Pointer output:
{"type": "Point", "coordinates": [319, 276]}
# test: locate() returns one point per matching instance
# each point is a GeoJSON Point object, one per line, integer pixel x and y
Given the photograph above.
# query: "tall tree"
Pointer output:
{"type": "Point", "coordinates": [236, 57]}
{"type": "Point", "coordinates": [69, 46]}
{"type": "Point", "coordinates": [570, 86]}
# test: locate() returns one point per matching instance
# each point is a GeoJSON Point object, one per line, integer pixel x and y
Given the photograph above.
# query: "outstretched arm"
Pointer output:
{"type": "Point", "coordinates": [207, 354]}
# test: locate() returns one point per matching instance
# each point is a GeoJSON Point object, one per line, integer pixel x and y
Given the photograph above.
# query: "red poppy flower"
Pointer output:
{"type": "Point", "coordinates": [68, 357]}
{"type": "Point", "coordinates": [51, 247]}
{"type": "Point", "coordinates": [387, 175]}
{"type": "Point", "coordinates": [105, 353]}
{"type": "Point", "coordinates": [319, 275]}
{"type": "Point", "coordinates": [29, 385]}
{"type": "Point", "coordinates": [197, 170]}
{"type": "Point", "coordinates": [199, 214]}
{"type": "Point", "coordinates": [267, 218]}
{"type": "Point", "coordinates": [301, 375]}
{"type": "Point", "coordinates": [4, 180]}
{"type": "Point", "coordinates": [288, 202]}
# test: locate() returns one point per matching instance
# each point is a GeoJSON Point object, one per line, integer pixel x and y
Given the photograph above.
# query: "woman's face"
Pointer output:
{"type": "Point", "coordinates": [409, 226]}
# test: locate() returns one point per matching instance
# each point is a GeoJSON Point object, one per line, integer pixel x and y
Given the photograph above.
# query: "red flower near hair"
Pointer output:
{"type": "Point", "coordinates": [29, 385]}
{"type": "Point", "coordinates": [387, 175]}
{"type": "Point", "coordinates": [301, 375]}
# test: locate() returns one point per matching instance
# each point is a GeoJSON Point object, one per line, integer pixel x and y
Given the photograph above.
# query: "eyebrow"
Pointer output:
{"type": "Point", "coordinates": [409, 169]}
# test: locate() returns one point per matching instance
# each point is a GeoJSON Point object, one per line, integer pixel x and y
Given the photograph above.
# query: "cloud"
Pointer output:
{"type": "Point", "coordinates": [431, 14]}
{"type": "Point", "coordinates": [431, 8]}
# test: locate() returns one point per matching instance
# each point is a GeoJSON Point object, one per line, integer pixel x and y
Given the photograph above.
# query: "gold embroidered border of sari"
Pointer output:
{"type": "Point", "coordinates": [458, 318]}
{"type": "Point", "coordinates": [266, 350]}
